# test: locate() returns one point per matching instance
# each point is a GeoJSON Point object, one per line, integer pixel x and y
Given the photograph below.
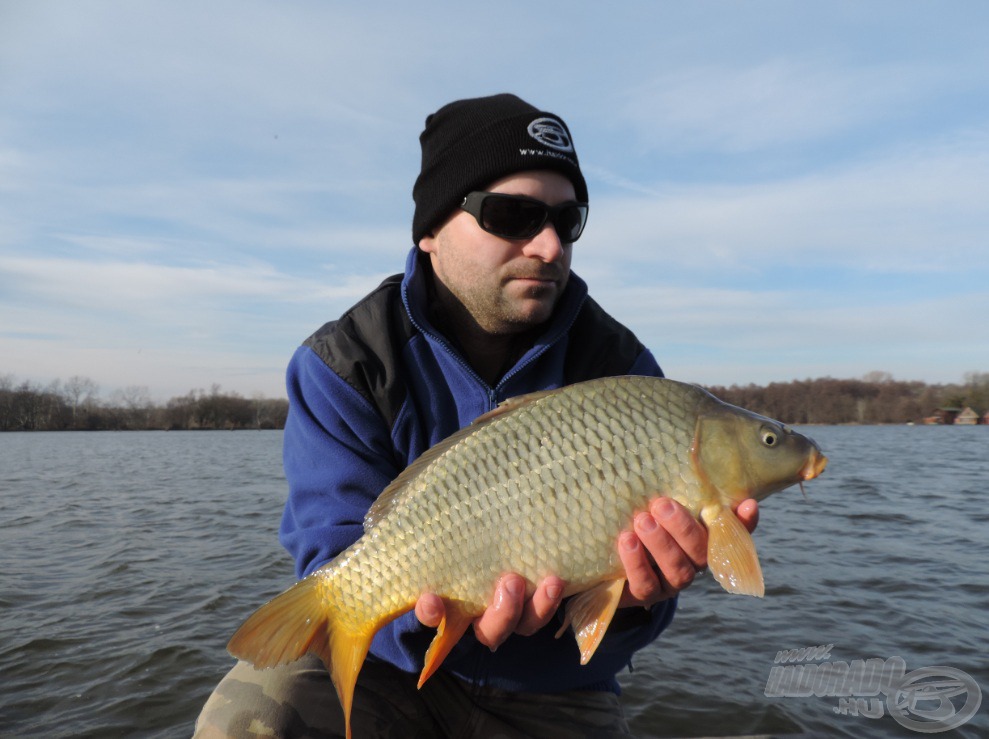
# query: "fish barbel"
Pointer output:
{"type": "Point", "coordinates": [544, 484]}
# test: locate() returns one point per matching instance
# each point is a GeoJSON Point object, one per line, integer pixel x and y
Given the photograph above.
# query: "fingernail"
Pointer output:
{"type": "Point", "coordinates": [514, 587]}
{"type": "Point", "coordinates": [646, 522]}
{"type": "Point", "coordinates": [554, 592]}
{"type": "Point", "coordinates": [629, 541]}
{"type": "Point", "coordinates": [431, 612]}
{"type": "Point", "coordinates": [663, 508]}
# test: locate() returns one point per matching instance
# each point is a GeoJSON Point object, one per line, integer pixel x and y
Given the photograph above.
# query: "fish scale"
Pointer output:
{"type": "Point", "coordinates": [478, 509]}
{"type": "Point", "coordinates": [542, 485]}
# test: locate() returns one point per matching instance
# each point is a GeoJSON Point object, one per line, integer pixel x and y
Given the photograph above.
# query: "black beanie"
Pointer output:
{"type": "Point", "coordinates": [469, 144]}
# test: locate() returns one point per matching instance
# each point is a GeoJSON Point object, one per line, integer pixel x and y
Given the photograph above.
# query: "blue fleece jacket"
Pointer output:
{"type": "Point", "coordinates": [340, 453]}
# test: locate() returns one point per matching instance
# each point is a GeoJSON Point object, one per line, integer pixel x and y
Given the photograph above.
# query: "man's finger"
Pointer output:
{"type": "Point", "coordinates": [676, 568]}
{"type": "Point", "coordinates": [688, 534]}
{"type": "Point", "coordinates": [748, 514]}
{"type": "Point", "coordinates": [430, 610]}
{"type": "Point", "coordinates": [502, 617]}
{"type": "Point", "coordinates": [643, 585]}
{"type": "Point", "coordinates": [537, 611]}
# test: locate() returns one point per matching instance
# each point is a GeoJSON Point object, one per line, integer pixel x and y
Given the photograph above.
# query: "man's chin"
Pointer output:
{"type": "Point", "coordinates": [530, 313]}
{"type": "Point", "coordinates": [531, 290]}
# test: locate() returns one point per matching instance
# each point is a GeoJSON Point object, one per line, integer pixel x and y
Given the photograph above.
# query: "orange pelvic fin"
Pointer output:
{"type": "Point", "coordinates": [731, 553]}
{"type": "Point", "coordinates": [590, 613]}
{"type": "Point", "coordinates": [455, 622]}
{"type": "Point", "coordinates": [297, 622]}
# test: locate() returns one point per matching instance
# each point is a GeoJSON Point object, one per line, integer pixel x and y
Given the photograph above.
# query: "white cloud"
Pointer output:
{"type": "Point", "coordinates": [776, 102]}
{"type": "Point", "coordinates": [170, 328]}
{"type": "Point", "coordinates": [167, 371]}
{"type": "Point", "coordinates": [189, 189]}
{"type": "Point", "coordinates": [154, 289]}
{"type": "Point", "coordinates": [738, 336]}
{"type": "Point", "coordinates": [915, 210]}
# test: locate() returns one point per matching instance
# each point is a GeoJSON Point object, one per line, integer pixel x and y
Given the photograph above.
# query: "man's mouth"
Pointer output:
{"type": "Point", "coordinates": [539, 277]}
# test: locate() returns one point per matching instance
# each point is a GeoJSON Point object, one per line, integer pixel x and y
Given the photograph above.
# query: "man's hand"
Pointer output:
{"type": "Point", "coordinates": [665, 549]}
{"type": "Point", "coordinates": [661, 555]}
{"type": "Point", "coordinates": [510, 611]}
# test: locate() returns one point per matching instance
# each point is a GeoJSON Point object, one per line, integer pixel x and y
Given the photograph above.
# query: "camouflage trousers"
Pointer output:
{"type": "Point", "coordinates": [298, 700]}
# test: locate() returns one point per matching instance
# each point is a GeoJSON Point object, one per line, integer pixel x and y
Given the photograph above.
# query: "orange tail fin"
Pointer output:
{"type": "Point", "coordinates": [298, 621]}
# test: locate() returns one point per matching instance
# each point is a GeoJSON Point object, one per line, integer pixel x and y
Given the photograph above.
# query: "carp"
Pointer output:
{"type": "Point", "coordinates": [544, 484]}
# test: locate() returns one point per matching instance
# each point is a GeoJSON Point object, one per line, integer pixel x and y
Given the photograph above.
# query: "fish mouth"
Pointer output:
{"type": "Point", "coordinates": [815, 465]}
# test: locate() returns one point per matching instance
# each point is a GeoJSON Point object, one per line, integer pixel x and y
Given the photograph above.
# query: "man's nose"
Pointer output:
{"type": "Point", "coordinates": [545, 245]}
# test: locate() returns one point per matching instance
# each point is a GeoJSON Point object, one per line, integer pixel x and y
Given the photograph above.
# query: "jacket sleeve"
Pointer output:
{"type": "Point", "coordinates": [646, 364]}
{"type": "Point", "coordinates": [337, 457]}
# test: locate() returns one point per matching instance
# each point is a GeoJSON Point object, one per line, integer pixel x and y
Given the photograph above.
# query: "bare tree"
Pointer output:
{"type": "Point", "coordinates": [134, 402]}
{"type": "Point", "coordinates": [79, 392]}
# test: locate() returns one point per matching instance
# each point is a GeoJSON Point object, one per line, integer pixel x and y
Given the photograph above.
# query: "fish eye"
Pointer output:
{"type": "Point", "coordinates": [770, 437]}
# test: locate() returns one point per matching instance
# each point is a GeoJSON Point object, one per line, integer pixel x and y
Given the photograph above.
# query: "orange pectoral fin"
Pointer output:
{"type": "Point", "coordinates": [731, 553]}
{"type": "Point", "coordinates": [590, 613]}
{"type": "Point", "coordinates": [451, 628]}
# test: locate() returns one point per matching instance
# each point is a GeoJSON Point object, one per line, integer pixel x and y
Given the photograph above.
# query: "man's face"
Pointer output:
{"type": "Point", "coordinates": [507, 286]}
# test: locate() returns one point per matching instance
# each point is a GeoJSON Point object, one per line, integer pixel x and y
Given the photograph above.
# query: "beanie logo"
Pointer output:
{"type": "Point", "coordinates": [550, 132]}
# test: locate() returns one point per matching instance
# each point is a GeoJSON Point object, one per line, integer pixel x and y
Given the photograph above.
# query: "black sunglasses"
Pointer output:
{"type": "Point", "coordinates": [520, 217]}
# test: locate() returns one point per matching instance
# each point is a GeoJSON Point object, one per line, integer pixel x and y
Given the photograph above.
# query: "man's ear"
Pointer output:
{"type": "Point", "coordinates": [427, 244]}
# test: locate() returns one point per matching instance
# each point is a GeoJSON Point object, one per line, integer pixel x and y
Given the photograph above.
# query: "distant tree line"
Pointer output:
{"type": "Point", "coordinates": [875, 399]}
{"type": "Point", "coordinates": [75, 405]}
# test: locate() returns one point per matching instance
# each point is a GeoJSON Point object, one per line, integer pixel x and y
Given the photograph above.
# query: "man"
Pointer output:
{"type": "Point", "coordinates": [487, 309]}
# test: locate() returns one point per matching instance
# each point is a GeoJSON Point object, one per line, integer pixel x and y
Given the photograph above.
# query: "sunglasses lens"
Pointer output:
{"type": "Point", "coordinates": [569, 222]}
{"type": "Point", "coordinates": [519, 217]}
{"type": "Point", "coordinates": [511, 218]}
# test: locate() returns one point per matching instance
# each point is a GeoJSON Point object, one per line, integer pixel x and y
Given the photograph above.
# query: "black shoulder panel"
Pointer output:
{"type": "Point", "coordinates": [364, 347]}
{"type": "Point", "coordinates": [599, 346]}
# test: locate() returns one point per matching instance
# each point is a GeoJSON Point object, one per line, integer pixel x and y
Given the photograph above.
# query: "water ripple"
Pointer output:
{"type": "Point", "coordinates": [129, 558]}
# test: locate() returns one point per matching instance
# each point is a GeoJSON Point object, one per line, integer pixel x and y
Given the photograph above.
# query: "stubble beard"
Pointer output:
{"type": "Point", "coordinates": [495, 304]}
{"type": "Point", "coordinates": [499, 312]}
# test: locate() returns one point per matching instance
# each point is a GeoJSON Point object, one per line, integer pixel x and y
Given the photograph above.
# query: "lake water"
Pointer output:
{"type": "Point", "coordinates": [128, 559]}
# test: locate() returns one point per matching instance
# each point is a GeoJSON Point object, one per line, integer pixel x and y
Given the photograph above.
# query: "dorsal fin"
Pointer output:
{"type": "Point", "coordinates": [392, 494]}
{"type": "Point", "coordinates": [507, 406]}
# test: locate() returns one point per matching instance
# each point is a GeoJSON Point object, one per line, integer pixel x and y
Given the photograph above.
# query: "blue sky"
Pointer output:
{"type": "Point", "coordinates": [779, 190]}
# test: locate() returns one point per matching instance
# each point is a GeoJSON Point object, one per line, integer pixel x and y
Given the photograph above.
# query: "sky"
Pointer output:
{"type": "Point", "coordinates": [778, 190]}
